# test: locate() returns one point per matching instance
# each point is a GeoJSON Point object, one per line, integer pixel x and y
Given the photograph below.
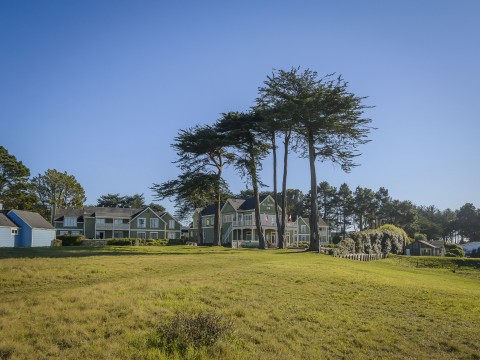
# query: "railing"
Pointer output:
{"type": "Point", "coordinates": [243, 223]}
{"type": "Point", "coordinates": [111, 226]}
{"type": "Point", "coordinates": [227, 233]}
{"type": "Point", "coordinates": [363, 257]}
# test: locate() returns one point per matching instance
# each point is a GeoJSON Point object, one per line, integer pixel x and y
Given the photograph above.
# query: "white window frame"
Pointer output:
{"type": "Point", "coordinates": [154, 235]}
{"type": "Point", "coordinates": [228, 218]}
{"type": "Point", "coordinates": [63, 232]}
{"type": "Point", "coordinates": [118, 232]}
{"type": "Point", "coordinates": [171, 224]}
{"type": "Point", "coordinates": [303, 229]}
{"type": "Point", "coordinates": [69, 221]}
{"type": "Point", "coordinates": [154, 223]}
{"type": "Point", "coordinates": [117, 221]}
{"type": "Point", "coordinates": [75, 232]}
{"type": "Point", "coordinates": [143, 236]}
{"type": "Point", "coordinates": [172, 235]}
{"type": "Point", "coordinates": [142, 223]}
{"type": "Point", "coordinates": [99, 220]}
{"type": "Point", "coordinates": [13, 231]}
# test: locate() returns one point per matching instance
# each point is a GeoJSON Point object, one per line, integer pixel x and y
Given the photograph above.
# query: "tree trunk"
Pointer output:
{"type": "Point", "coordinates": [200, 229]}
{"type": "Point", "coordinates": [314, 235]}
{"type": "Point", "coordinates": [286, 144]}
{"type": "Point", "coordinates": [258, 221]}
{"type": "Point", "coordinates": [217, 241]}
{"type": "Point", "coordinates": [275, 193]}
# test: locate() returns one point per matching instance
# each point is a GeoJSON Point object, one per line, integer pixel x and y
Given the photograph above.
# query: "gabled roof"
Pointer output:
{"type": "Point", "coordinates": [210, 209]}
{"type": "Point", "coordinates": [249, 204]}
{"type": "Point", "coordinates": [33, 219]}
{"type": "Point", "coordinates": [236, 203]}
{"type": "Point", "coordinates": [435, 245]}
{"type": "Point", "coordinates": [5, 221]}
{"type": "Point", "coordinates": [62, 213]}
{"type": "Point", "coordinates": [116, 212]}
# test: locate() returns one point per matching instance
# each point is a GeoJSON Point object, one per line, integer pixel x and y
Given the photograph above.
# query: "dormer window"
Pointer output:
{"type": "Point", "coordinates": [70, 222]}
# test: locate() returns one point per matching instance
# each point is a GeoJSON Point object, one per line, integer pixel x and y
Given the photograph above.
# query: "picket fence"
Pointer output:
{"type": "Point", "coordinates": [363, 257]}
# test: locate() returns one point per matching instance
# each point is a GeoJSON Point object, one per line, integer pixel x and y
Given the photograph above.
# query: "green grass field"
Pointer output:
{"type": "Point", "coordinates": [115, 303]}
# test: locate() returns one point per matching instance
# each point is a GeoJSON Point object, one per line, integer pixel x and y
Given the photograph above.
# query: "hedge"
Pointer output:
{"type": "Point", "coordinates": [371, 242]}
{"type": "Point", "coordinates": [71, 240]}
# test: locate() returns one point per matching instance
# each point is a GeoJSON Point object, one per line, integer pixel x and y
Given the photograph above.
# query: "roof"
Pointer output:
{"type": "Point", "coordinates": [62, 213]}
{"type": "Point", "coordinates": [5, 221]}
{"type": "Point", "coordinates": [33, 219]}
{"type": "Point", "coordinates": [210, 209]}
{"type": "Point", "coordinates": [249, 204]}
{"type": "Point", "coordinates": [236, 203]}
{"type": "Point", "coordinates": [429, 244]}
{"type": "Point", "coordinates": [116, 212]}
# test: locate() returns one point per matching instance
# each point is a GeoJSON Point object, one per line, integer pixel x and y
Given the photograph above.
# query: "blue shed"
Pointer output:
{"type": "Point", "coordinates": [8, 231]}
{"type": "Point", "coordinates": [34, 229]}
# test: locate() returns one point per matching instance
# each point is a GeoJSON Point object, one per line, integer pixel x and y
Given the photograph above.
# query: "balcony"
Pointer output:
{"type": "Point", "coordinates": [266, 224]}
{"type": "Point", "coordinates": [111, 226]}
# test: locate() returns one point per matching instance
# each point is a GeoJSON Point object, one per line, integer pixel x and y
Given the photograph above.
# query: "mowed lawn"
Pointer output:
{"type": "Point", "coordinates": [111, 303]}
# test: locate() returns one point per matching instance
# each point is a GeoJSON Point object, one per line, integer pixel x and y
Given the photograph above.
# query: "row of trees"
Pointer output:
{"type": "Point", "coordinates": [316, 117]}
{"type": "Point", "coordinates": [43, 193]}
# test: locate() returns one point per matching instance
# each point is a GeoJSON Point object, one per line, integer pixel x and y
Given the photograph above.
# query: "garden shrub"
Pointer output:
{"type": "Point", "coordinates": [136, 241]}
{"type": "Point", "coordinates": [186, 331]}
{"type": "Point", "coordinates": [176, 242]}
{"type": "Point", "coordinates": [344, 247]}
{"type": "Point", "coordinates": [454, 250]}
{"type": "Point", "coordinates": [420, 237]}
{"type": "Point", "coordinates": [71, 240]}
{"type": "Point", "coordinates": [250, 244]}
{"type": "Point", "coordinates": [56, 242]}
{"type": "Point", "coordinates": [397, 230]}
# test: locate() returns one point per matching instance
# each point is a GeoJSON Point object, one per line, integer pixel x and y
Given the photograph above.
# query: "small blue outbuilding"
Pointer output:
{"type": "Point", "coordinates": [25, 228]}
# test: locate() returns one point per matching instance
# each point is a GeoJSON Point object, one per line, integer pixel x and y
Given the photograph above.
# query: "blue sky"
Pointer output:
{"type": "Point", "coordinates": [100, 88]}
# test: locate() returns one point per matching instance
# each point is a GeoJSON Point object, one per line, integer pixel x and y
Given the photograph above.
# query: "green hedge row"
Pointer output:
{"type": "Point", "coordinates": [371, 242]}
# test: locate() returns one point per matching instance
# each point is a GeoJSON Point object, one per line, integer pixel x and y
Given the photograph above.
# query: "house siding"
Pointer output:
{"type": "Point", "coordinates": [42, 237]}
{"type": "Point", "coordinates": [6, 237]}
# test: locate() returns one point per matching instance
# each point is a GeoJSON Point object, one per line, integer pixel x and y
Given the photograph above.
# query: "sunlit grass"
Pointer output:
{"type": "Point", "coordinates": [108, 302]}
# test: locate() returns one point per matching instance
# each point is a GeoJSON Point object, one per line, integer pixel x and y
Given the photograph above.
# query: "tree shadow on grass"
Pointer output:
{"type": "Point", "coordinates": [86, 251]}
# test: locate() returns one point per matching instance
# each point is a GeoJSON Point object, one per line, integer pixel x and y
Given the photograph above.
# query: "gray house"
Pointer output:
{"type": "Point", "coordinates": [33, 229]}
{"type": "Point", "coordinates": [8, 231]}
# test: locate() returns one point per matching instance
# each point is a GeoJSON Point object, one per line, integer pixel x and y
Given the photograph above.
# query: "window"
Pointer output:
{"type": "Point", "coordinates": [14, 231]}
{"type": "Point", "coordinates": [70, 222]}
{"type": "Point", "coordinates": [117, 221]}
{"type": "Point", "coordinates": [63, 232]}
{"type": "Point", "coordinates": [118, 234]}
{"type": "Point", "coordinates": [171, 224]}
{"type": "Point", "coordinates": [227, 218]}
{"type": "Point", "coordinates": [142, 222]}
{"type": "Point", "coordinates": [100, 221]}
{"type": "Point", "coordinates": [154, 235]}
{"type": "Point", "coordinates": [171, 235]}
{"type": "Point", "coordinates": [154, 223]}
{"type": "Point", "coordinates": [141, 235]}
{"type": "Point", "coordinates": [100, 235]}
{"type": "Point", "coordinates": [248, 219]}
{"type": "Point", "coordinates": [75, 232]}
{"type": "Point", "coordinates": [303, 228]}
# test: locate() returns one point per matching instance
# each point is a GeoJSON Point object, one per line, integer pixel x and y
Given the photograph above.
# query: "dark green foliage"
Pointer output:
{"type": "Point", "coordinates": [188, 331]}
{"type": "Point", "coordinates": [57, 243]}
{"type": "Point", "coordinates": [16, 191]}
{"type": "Point", "coordinates": [71, 240]}
{"type": "Point", "coordinates": [453, 250]}
{"type": "Point", "coordinates": [173, 242]}
{"type": "Point", "coordinates": [397, 230]}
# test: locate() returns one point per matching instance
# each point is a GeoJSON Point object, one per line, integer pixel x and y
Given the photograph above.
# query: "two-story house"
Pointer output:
{"type": "Point", "coordinates": [105, 223]}
{"type": "Point", "coordinates": [237, 222]}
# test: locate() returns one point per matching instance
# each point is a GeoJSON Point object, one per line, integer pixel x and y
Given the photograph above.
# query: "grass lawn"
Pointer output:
{"type": "Point", "coordinates": [117, 302]}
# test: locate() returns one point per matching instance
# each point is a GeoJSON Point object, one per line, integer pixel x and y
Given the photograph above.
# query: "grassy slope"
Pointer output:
{"type": "Point", "coordinates": [94, 303]}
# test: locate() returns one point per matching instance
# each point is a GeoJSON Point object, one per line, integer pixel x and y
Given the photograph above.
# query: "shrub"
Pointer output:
{"type": "Point", "coordinates": [186, 331]}
{"type": "Point", "coordinates": [344, 247]}
{"type": "Point", "coordinates": [397, 230]}
{"type": "Point", "coordinates": [71, 240]}
{"type": "Point", "coordinates": [453, 250]}
{"type": "Point", "coordinates": [250, 245]}
{"type": "Point", "coordinates": [176, 242]}
{"type": "Point", "coordinates": [56, 242]}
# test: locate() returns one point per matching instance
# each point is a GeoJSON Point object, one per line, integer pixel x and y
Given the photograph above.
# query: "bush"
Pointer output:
{"type": "Point", "coordinates": [176, 242]}
{"type": "Point", "coordinates": [71, 240]}
{"type": "Point", "coordinates": [56, 242]}
{"type": "Point", "coordinates": [453, 250]}
{"type": "Point", "coordinates": [190, 331]}
{"type": "Point", "coordinates": [344, 247]}
{"type": "Point", "coordinates": [397, 230]}
{"type": "Point", "coordinates": [250, 244]}
{"type": "Point", "coordinates": [136, 242]}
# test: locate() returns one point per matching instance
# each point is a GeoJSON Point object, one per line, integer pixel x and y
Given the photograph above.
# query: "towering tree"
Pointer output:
{"type": "Point", "coordinates": [344, 205]}
{"type": "Point", "coordinates": [328, 125]}
{"type": "Point", "coordinates": [242, 130]}
{"type": "Point", "coordinates": [202, 149]}
{"type": "Point", "coordinates": [58, 190]}
{"type": "Point", "coordinates": [190, 191]}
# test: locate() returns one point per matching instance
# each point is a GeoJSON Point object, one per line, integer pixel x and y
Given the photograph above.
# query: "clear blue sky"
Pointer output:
{"type": "Point", "coordinates": [100, 88]}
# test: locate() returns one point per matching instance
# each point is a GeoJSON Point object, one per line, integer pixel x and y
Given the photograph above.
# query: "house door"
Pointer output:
{"type": "Point", "coordinates": [100, 235]}
{"type": "Point", "coordinates": [274, 238]}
